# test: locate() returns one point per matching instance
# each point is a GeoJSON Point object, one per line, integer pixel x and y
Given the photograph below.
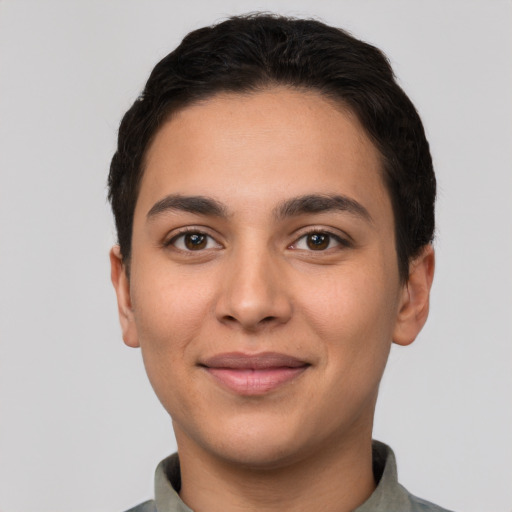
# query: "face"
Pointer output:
{"type": "Point", "coordinates": [264, 289]}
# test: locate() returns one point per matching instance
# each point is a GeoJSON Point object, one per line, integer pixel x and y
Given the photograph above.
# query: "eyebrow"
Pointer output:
{"type": "Point", "coordinates": [319, 203]}
{"type": "Point", "coordinates": [200, 205]}
{"type": "Point", "coordinates": [311, 203]}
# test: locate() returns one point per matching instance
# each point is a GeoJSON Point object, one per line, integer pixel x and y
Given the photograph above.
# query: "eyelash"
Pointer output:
{"type": "Point", "coordinates": [183, 233]}
{"type": "Point", "coordinates": [340, 241]}
{"type": "Point", "coordinates": [343, 242]}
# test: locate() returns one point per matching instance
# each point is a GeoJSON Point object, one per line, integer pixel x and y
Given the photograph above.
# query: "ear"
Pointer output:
{"type": "Point", "coordinates": [414, 303]}
{"type": "Point", "coordinates": [124, 304]}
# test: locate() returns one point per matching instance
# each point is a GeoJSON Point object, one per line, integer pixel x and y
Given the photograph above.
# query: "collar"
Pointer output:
{"type": "Point", "coordinates": [388, 495]}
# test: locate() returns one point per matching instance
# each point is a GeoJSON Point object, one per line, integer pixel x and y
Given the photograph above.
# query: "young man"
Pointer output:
{"type": "Point", "coordinates": [274, 196]}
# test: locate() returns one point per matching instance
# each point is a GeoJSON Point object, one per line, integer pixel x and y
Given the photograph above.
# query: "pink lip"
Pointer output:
{"type": "Point", "coordinates": [257, 374]}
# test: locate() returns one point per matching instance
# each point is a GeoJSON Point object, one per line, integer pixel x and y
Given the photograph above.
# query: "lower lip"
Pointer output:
{"type": "Point", "coordinates": [255, 382]}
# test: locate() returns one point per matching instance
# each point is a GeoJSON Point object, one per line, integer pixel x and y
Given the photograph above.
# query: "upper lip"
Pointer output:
{"type": "Point", "coordinates": [241, 361]}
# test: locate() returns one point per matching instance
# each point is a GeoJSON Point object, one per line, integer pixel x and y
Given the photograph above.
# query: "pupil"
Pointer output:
{"type": "Point", "coordinates": [318, 241]}
{"type": "Point", "coordinates": [195, 241]}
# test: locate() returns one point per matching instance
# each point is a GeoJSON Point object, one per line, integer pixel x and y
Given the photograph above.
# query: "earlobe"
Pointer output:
{"type": "Point", "coordinates": [121, 285]}
{"type": "Point", "coordinates": [414, 304]}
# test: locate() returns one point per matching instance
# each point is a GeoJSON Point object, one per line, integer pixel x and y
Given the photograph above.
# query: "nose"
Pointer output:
{"type": "Point", "coordinates": [254, 293]}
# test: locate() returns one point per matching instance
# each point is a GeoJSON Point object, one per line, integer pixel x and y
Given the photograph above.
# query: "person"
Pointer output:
{"type": "Point", "coordinates": [273, 193]}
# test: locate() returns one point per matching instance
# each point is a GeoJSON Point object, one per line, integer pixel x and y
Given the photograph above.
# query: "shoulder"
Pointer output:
{"type": "Point", "coordinates": [389, 493]}
{"type": "Point", "coordinates": [420, 505]}
{"type": "Point", "coordinates": [147, 506]}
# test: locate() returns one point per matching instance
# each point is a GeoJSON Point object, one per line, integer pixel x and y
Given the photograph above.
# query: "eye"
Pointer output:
{"type": "Point", "coordinates": [318, 241]}
{"type": "Point", "coordinates": [193, 241]}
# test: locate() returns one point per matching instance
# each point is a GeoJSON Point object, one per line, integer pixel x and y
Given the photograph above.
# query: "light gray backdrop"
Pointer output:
{"type": "Point", "coordinates": [80, 429]}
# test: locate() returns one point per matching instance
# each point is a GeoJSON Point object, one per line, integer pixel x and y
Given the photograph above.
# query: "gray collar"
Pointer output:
{"type": "Point", "coordinates": [389, 494]}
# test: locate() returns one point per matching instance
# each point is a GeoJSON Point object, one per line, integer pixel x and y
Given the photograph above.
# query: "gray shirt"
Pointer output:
{"type": "Point", "coordinates": [389, 495]}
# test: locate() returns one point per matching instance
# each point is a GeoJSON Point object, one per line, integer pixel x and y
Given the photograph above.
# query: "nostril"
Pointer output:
{"type": "Point", "coordinates": [266, 320]}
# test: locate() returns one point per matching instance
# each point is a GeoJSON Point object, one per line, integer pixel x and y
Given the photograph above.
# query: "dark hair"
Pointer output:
{"type": "Point", "coordinates": [257, 51]}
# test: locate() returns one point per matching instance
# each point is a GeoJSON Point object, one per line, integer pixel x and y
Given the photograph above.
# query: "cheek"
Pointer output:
{"type": "Point", "coordinates": [169, 315]}
{"type": "Point", "coordinates": [169, 312]}
{"type": "Point", "coordinates": [355, 316]}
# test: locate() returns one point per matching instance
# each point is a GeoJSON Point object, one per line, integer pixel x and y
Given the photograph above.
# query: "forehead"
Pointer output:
{"type": "Point", "coordinates": [260, 146]}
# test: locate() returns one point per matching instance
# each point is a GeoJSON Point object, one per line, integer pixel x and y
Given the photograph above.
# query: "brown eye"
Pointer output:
{"type": "Point", "coordinates": [318, 241]}
{"type": "Point", "coordinates": [195, 241]}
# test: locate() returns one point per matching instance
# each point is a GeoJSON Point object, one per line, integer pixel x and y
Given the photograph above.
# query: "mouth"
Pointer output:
{"type": "Point", "coordinates": [254, 374]}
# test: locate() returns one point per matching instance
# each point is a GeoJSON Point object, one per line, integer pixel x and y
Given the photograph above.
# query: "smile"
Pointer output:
{"type": "Point", "coordinates": [252, 375]}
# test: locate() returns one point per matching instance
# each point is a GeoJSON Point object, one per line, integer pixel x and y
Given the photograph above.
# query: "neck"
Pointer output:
{"type": "Point", "coordinates": [338, 478]}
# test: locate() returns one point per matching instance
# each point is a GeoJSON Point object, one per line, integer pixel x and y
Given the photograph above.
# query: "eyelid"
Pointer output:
{"type": "Point", "coordinates": [171, 238]}
{"type": "Point", "coordinates": [343, 239]}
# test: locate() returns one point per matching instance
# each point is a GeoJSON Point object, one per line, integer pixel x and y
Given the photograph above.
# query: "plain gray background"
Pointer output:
{"type": "Point", "coordinates": [80, 429]}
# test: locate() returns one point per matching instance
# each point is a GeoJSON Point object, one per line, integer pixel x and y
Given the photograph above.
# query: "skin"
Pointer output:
{"type": "Point", "coordinates": [260, 285]}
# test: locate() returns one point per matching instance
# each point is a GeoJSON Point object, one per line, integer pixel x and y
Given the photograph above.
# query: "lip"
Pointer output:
{"type": "Point", "coordinates": [254, 374]}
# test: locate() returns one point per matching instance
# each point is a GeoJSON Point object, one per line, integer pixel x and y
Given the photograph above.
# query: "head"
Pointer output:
{"type": "Point", "coordinates": [273, 194]}
{"type": "Point", "coordinates": [252, 53]}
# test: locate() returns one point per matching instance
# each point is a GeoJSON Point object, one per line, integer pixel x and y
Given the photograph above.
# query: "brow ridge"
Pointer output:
{"type": "Point", "coordinates": [318, 203]}
{"type": "Point", "coordinates": [301, 205]}
{"type": "Point", "coordinates": [201, 205]}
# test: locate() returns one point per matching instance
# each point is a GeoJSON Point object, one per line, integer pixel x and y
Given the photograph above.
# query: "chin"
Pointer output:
{"type": "Point", "coordinates": [256, 443]}
{"type": "Point", "coordinates": [260, 454]}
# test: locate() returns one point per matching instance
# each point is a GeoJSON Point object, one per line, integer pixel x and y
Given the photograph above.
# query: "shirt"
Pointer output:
{"type": "Point", "coordinates": [389, 495]}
